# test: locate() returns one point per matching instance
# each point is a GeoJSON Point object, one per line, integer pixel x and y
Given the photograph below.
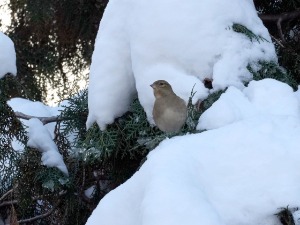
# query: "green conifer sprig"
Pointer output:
{"type": "Point", "coordinates": [11, 129]}
{"type": "Point", "coordinates": [267, 69]}
{"type": "Point", "coordinates": [270, 69]}
{"type": "Point", "coordinates": [74, 115]}
{"type": "Point", "coordinates": [244, 30]}
{"type": "Point", "coordinates": [52, 178]}
{"type": "Point", "coordinates": [129, 136]}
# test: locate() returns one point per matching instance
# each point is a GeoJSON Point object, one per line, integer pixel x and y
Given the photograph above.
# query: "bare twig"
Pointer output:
{"type": "Point", "coordinates": [13, 216]}
{"type": "Point", "coordinates": [82, 194]}
{"type": "Point", "coordinates": [277, 41]}
{"type": "Point", "coordinates": [278, 23]}
{"type": "Point", "coordinates": [44, 120]}
{"type": "Point", "coordinates": [40, 216]}
{"type": "Point", "coordinates": [7, 203]}
{"type": "Point", "coordinates": [7, 193]}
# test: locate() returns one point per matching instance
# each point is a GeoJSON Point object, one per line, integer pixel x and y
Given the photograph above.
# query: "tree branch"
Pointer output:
{"type": "Point", "coordinates": [279, 21]}
{"type": "Point", "coordinates": [277, 41]}
{"type": "Point", "coordinates": [7, 203]}
{"type": "Point", "coordinates": [7, 193]}
{"type": "Point", "coordinates": [44, 120]}
{"type": "Point", "coordinates": [279, 18]}
{"type": "Point", "coordinates": [283, 16]}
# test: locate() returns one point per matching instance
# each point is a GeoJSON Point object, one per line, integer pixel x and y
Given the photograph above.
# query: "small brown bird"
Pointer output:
{"type": "Point", "coordinates": [169, 111]}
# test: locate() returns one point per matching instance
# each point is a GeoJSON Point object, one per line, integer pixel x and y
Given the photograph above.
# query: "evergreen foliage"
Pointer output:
{"type": "Point", "coordinates": [244, 30]}
{"type": "Point", "coordinates": [213, 97]}
{"type": "Point", "coordinates": [99, 159]}
{"type": "Point", "coordinates": [274, 71]}
{"type": "Point", "coordinates": [266, 69]}
{"type": "Point", "coordinates": [121, 147]}
{"type": "Point", "coordinates": [54, 42]}
{"type": "Point", "coordinates": [10, 129]}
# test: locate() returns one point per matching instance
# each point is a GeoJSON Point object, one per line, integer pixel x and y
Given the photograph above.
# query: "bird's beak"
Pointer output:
{"type": "Point", "coordinates": [151, 85]}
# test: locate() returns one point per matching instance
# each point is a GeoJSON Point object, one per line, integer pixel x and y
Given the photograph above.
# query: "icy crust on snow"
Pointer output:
{"type": "Point", "coordinates": [268, 97]}
{"type": "Point", "coordinates": [239, 174]}
{"type": "Point", "coordinates": [7, 56]}
{"type": "Point", "coordinates": [183, 42]}
{"type": "Point", "coordinates": [40, 138]}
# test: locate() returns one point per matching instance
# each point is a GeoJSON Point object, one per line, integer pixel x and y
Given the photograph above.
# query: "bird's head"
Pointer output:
{"type": "Point", "coordinates": [161, 88]}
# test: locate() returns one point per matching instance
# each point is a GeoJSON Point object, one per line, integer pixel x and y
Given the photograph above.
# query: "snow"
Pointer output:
{"type": "Point", "coordinates": [298, 93]}
{"type": "Point", "coordinates": [232, 106]}
{"type": "Point", "coordinates": [267, 96]}
{"type": "Point", "coordinates": [40, 138]}
{"type": "Point", "coordinates": [7, 56]}
{"type": "Point", "coordinates": [183, 42]}
{"type": "Point", "coordinates": [90, 191]}
{"type": "Point", "coordinates": [296, 217]}
{"type": "Point", "coordinates": [240, 171]}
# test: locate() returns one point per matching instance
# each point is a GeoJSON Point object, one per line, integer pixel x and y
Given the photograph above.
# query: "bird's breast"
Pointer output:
{"type": "Point", "coordinates": [169, 117]}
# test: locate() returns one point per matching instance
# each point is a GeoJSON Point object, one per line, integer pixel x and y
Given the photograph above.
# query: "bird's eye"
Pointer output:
{"type": "Point", "coordinates": [161, 84]}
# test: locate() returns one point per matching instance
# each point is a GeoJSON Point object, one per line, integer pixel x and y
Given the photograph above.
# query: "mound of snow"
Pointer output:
{"type": "Point", "coordinates": [242, 172]}
{"type": "Point", "coordinates": [267, 96]}
{"type": "Point", "coordinates": [7, 56]}
{"type": "Point", "coordinates": [183, 42]}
